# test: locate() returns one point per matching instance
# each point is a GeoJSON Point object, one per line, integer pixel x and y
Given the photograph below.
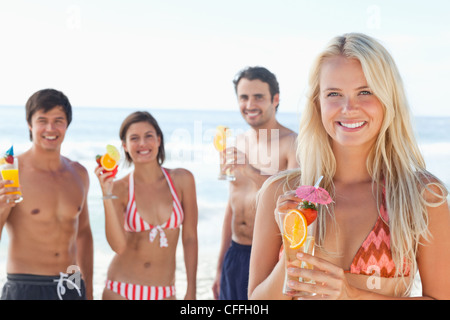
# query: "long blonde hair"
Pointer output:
{"type": "Point", "coordinates": [395, 160]}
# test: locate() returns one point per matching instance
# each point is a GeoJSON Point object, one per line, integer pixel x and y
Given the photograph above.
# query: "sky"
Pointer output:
{"type": "Point", "coordinates": [177, 54]}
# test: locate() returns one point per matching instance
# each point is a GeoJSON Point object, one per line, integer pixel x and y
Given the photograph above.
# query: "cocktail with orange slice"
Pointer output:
{"type": "Point", "coordinates": [223, 139]}
{"type": "Point", "coordinates": [298, 228]}
{"type": "Point", "coordinates": [109, 162]}
{"type": "Point", "coordinates": [298, 233]}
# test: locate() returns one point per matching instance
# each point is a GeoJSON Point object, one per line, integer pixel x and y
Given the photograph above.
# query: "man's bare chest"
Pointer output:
{"type": "Point", "coordinates": [54, 195]}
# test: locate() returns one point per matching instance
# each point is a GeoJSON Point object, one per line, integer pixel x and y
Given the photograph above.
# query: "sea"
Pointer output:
{"type": "Point", "coordinates": [188, 136]}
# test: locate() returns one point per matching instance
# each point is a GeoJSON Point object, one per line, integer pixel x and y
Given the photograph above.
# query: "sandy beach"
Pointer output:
{"type": "Point", "coordinates": [206, 272]}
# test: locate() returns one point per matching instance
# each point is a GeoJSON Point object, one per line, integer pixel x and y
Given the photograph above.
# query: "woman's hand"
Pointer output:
{"type": "Point", "coordinates": [105, 179]}
{"type": "Point", "coordinates": [329, 281]}
{"type": "Point", "coordinates": [286, 202]}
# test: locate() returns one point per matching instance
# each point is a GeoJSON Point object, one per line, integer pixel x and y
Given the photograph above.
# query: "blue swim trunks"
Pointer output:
{"type": "Point", "coordinates": [37, 287]}
{"type": "Point", "coordinates": [235, 270]}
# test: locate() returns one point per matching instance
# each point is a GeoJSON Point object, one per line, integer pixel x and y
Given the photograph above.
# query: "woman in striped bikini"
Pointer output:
{"type": "Point", "coordinates": [143, 224]}
{"type": "Point", "coordinates": [390, 217]}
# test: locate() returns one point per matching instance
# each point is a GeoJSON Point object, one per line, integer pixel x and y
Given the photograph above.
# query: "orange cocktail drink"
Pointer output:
{"type": "Point", "coordinates": [298, 232]}
{"type": "Point", "coordinates": [10, 171]}
{"type": "Point", "coordinates": [13, 175]}
{"type": "Point", "coordinates": [223, 139]}
{"type": "Point", "coordinates": [298, 229]}
{"type": "Point", "coordinates": [110, 160]}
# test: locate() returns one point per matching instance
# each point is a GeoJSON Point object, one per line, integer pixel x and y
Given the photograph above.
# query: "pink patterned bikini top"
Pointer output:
{"type": "Point", "coordinates": [375, 256]}
{"type": "Point", "coordinates": [135, 223]}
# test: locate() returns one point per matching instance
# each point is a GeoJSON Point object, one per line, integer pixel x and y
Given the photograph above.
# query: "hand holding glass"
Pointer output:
{"type": "Point", "coordinates": [224, 140]}
{"type": "Point", "coordinates": [298, 229]}
{"type": "Point", "coordinates": [109, 163]}
{"type": "Point", "coordinates": [10, 171]}
{"type": "Point", "coordinates": [298, 233]}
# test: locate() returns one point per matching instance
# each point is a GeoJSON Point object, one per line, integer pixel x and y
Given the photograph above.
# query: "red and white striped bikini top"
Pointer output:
{"type": "Point", "coordinates": [134, 222]}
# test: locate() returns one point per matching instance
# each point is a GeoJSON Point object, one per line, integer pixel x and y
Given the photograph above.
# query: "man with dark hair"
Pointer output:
{"type": "Point", "coordinates": [46, 100]}
{"type": "Point", "coordinates": [259, 73]}
{"type": "Point", "coordinates": [265, 149]}
{"type": "Point", "coordinates": [50, 252]}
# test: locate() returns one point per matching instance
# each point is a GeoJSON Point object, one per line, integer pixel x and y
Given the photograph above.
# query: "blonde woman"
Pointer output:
{"type": "Point", "coordinates": [154, 206]}
{"type": "Point", "coordinates": [390, 216]}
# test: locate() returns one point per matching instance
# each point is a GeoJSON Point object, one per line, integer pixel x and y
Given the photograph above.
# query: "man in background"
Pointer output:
{"type": "Point", "coordinates": [264, 149]}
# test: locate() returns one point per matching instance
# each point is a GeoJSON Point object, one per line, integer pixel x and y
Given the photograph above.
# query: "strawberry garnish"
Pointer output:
{"type": "Point", "coordinates": [309, 210]}
{"type": "Point", "coordinates": [9, 159]}
{"type": "Point", "coordinates": [97, 159]}
{"type": "Point", "coordinates": [9, 155]}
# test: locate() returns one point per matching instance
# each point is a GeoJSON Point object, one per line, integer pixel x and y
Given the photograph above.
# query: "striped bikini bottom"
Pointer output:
{"type": "Point", "coordinates": [139, 292]}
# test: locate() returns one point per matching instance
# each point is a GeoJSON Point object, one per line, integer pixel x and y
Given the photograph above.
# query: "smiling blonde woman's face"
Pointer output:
{"type": "Point", "coordinates": [351, 114]}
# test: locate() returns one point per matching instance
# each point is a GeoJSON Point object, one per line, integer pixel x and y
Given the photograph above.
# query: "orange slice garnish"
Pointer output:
{"type": "Point", "coordinates": [220, 138]}
{"type": "Point", "coordinates": [107, 162]}
{"type": "Point", "coordinates": [295, 228]}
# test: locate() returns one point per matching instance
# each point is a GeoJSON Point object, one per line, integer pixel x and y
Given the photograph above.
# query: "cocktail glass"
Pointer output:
{"type": "Point", "coordinates": [298, 228]}
{"type": "Point", "coordinates": [10, 171]}
{"type": "Point", "coordinates": [291, 247]}
{"type": "Point", "coordinates": [110, 164]}
{"type": "Point", "coordinates": [224, 140]}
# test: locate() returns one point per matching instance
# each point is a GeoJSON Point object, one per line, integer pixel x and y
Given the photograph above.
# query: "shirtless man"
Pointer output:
{"type": "Point", "coordinates": [49, 231]}
{"type": "Point", "coordinates": [266, 148]}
